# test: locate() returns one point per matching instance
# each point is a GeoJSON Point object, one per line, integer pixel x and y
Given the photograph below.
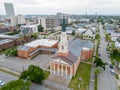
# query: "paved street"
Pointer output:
{"type": "Point", "coordinates": [106, 81]}
{"type": "Point", "coordinates": [7, 77]}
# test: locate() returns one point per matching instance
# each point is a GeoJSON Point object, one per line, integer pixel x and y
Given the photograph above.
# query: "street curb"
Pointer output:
{"type": "Point", "coordinates": [10, 72]}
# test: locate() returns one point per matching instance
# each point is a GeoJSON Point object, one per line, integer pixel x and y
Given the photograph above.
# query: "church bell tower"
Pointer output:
{"type": "Point", "coordinates": [63, 44]}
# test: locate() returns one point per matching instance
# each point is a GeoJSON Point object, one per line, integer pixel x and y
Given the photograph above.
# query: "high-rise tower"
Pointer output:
{"type": "Point", "coordinates": [9, 9]}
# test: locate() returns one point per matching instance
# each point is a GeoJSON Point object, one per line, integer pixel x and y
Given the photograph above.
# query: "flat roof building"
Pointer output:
{"type": "Point", "coordinates": [6, 43]}
{"type": "Point", "coordinates": [35, 47]}
{"type": "Point", "coordinates": [42, 42]}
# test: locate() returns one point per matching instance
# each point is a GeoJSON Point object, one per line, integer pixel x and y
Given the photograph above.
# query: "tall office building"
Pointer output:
{"type": "Point", "coordinates": [9, 9]}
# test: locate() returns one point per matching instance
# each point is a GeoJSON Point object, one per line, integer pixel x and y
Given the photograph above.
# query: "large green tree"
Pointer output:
{"type": "Point", "coordinates": [34, 35]}
{"type": "Point", "coordinates": [116, 54]}
{"type": "Point", "coordinates": [16, 85]}
{"type": "Point", "coordinates": [11, 52]}
{"type": "Point", "coordinates": [34, 74]}
{"type": "Point", "coordinates": [73, 32]}
{"type": "Point", "coordinates": [97, 36]}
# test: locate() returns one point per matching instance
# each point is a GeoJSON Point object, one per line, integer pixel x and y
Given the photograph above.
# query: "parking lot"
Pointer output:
{"type": "Point", "coordinates": [19, 64]}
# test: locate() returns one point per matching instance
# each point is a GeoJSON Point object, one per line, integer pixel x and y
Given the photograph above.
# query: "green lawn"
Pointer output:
{"type": "Point", "coordinates": [13, 33]}
{"type": "Point", "coordinates": [90, 60]}
{"type": "Point", "coordinates": [83, 71]}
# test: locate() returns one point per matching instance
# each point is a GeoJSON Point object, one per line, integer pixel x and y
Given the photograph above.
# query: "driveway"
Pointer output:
{"type": "Point", "coordinates": [106, 81]}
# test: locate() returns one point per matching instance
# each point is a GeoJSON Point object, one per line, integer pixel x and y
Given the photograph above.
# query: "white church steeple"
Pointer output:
{"type": "Point", "coordinates": [63, 44]}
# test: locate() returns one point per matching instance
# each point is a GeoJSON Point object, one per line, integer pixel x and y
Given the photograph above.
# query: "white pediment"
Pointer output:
{"type": "Point", "coordinates": [59, 61]}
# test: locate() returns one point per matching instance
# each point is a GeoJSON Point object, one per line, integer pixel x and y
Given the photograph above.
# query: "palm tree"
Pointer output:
{"type": "Point", "coordinates": [99, 62]}
{"type": "Point", "coordinates": [96, 72]}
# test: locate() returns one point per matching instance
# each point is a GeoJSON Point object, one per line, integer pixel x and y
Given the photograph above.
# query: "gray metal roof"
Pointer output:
{"type": "Point", "coordinates": [25, 48]}
{"type": "Point", "coordinates": [77, 45]}
{"type": "Point", "coordinates": [7, 36]}
{"type": "Point", "coordinates": [4, 30]}
{"type": "Point", "coordinates": [5, 41]}
{"type": "Point", "coordinates": [75, 48]}
{"type": "Point", "coordinates": [25, 31]}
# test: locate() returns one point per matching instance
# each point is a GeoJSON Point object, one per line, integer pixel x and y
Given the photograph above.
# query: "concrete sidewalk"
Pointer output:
{"type": "Point", "coordinates": [91, 85]}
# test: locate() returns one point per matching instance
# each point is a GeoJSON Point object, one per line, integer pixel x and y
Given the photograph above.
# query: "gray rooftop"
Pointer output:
{"type": "Point", "coordinates": [25, 31]}
{"type": "Point", "coordinates": [75, 48]}
{"type": "Point", "coordinates": [4, 41]}
{"type": "Point", "coordinates": [77, 45]}
{"type": "Point", "coordinates": [25, 48]}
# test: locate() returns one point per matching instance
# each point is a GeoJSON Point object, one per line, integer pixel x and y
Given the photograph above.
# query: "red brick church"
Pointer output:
{"type": "Point", "coordinates": [66, 61]}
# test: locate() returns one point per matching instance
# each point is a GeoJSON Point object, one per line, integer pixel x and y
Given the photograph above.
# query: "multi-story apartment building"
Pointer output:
{"type": "Point", "coordinates": [51, 22]}
{"type": "Point", "coordinates": [48, 23]}
{"type": "Point", "coordinates": [20, 19]}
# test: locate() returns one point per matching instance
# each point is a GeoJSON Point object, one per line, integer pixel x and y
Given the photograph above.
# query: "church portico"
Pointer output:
{"type": "Point", "coordinates": [60, 69]}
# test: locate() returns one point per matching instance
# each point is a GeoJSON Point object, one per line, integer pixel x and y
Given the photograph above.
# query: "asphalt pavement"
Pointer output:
{"type": "Point", "coordinates": [106, 81]}
{"type": "Point", "coordinates": [6, 77]}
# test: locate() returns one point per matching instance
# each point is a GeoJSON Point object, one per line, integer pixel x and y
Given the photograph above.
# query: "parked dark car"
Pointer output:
{"type": "Point", "coordinates": [111, 66]}
{"type": "Point", "coordinates": [99, 55]}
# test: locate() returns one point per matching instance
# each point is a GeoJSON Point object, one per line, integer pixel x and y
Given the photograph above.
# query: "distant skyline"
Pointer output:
{"type": "Point", "coordinates": [44, 7]}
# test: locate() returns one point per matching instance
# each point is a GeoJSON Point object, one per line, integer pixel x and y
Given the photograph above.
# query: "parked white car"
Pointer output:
{"type": "Point", "coordinates": [112, 71]}
{"type": "Point", "coordinates": [2, 83]}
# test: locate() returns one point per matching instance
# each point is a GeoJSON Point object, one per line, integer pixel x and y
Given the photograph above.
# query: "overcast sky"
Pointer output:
{"type": "Point", "coordinates": [65, 6]}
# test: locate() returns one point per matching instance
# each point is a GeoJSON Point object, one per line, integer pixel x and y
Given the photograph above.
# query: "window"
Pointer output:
{"type": "Point", "coordinates": [62, 47]}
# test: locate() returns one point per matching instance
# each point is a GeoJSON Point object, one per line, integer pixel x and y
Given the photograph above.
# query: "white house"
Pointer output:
{"type": "Point", "coordinates": [29, 29]}
{"type": "Point", "coordinates": [89, 33]}
{"type": "Point", "coordinates": [80, 31]}
{"type": "Point", "coordinates": [117, 44]}
{"type": "Point", "coordinates": [69, 30]}
{"type": "Point", "coordinates": [86, 33]}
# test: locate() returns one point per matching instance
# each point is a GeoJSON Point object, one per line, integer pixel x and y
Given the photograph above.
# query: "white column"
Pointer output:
{"type": "Point", "coordinates": [70, 72]}
{"type": "Point", "coordinates": [50, 67]}
{"type": "Point", "coordinates": [75, 66]}
{"type": "Point", "coordinates": [66, 71]}
{"type": "Point", "coordinates": [58, 69]}
{"type": "Point", "coordinates": [62, 70]}
{"type": "Point", "coordinates": [54, 68]}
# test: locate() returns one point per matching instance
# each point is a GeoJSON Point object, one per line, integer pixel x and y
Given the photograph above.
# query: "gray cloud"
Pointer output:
{"type": "Point", "coordinates": [67, 6]}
